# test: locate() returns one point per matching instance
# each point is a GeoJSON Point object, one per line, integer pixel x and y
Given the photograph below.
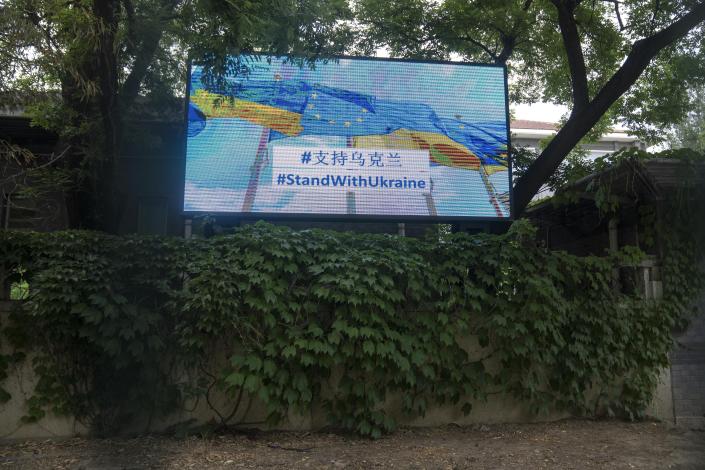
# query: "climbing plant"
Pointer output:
{"type": "Point", "coordinates": [342, 320]}
{"type": "Point", "coordinates": [671, 223]}
{"type": "Point", "coordinates": [122, 330]}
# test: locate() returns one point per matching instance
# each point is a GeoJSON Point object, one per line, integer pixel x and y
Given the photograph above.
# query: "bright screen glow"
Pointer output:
{"type": "Point", "coordinates": [349, 138]}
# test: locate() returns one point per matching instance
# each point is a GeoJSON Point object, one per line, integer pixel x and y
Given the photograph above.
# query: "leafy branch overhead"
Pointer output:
{"type": "Point", "coordinates": [82, 69]}
{"type": "Point", "coordinates": [627, 62]}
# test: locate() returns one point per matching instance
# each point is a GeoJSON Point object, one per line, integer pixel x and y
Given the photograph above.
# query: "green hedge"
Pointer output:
{"type": "Point", "coordinates": [127, 328]}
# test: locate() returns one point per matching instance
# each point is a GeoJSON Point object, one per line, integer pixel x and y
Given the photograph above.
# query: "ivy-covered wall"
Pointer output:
{"type": "Point", "coordinates": [125, 330]}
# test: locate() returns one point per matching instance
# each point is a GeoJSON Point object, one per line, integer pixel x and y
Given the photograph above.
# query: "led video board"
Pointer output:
{"type": "Point", "coordinates": [349, 138]}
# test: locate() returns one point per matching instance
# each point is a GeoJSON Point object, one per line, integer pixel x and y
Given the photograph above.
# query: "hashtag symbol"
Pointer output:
{"type": "Point", "coordinates": [306, 157]}
{"type": "Point", "coordinates": [281, 179]}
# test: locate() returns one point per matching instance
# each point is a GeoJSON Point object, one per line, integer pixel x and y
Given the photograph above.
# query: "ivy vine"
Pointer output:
{"type": "Point", "coordinates": [123, 330]}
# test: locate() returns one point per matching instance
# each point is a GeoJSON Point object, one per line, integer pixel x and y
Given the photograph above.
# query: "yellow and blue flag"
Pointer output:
{"type": "Point", "coordinates": [296, 107]}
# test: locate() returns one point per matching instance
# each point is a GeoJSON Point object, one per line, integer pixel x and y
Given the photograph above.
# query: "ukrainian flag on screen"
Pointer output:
{"type": "Point", "coordinates": [296, 108]}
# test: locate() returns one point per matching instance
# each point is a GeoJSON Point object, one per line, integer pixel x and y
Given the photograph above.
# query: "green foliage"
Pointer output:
{"type": "Point", "coordinates": [128, 327]}
{"type": "Point", "coordinates": [94, 318]}
{"type": "Point", "coordinates": [525, 35]}
{"type": "Point", "coordinates": [85, 69]}
{"type": "Point", "coordinates": [690, 132]}
{"type": "Point", "coordinates": [577, 166]}
{"type": "Point", "coordinates": [19, 291]}
{"type": "Point", "coordinates": [671, 225]}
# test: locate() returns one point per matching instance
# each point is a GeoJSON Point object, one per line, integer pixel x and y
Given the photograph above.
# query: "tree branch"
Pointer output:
{"type": "Point", "coordinates": [619, 16]}
{"type": "Point", "coordinates": [131, 30]}
{"type": "Point", "coordinates": [657, 8]}
{"type": "Point", "coordinates": [579, 123]}
{"type": "Point", "coordinates": [144, 56]}
{"type": "Point", "coordinates": [508, 44]}
{"type": "Point", "coordinates": [574, 52]}
{"type": "Point", "coordinates": [617, 13]}
{"type": "Point", "coordinates": [26, 171]}
{"type": "Point", "coordinates": [509, 41]}
{"type": "Point", "coordinates": [477, 43]}
{"type": "Point", "coordinates": [36, 20]}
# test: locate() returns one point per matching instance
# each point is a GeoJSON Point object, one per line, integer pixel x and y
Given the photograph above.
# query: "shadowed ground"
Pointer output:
{"type": "Point", "coordinates": [563, 445]}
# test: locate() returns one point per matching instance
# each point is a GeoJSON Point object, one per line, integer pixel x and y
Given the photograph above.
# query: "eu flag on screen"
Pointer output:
{"type": "Point", "coordinates": [332, 111]}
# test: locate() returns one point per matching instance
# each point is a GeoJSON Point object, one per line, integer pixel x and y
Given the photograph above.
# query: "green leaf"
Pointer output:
{"type": "Point", "coordinates": [251, 384]}
{"type": "Point", "coordinates": [254, 363]}
{"type": "Point", "coordinates": [235, 379]}
{"type": "Point", "coordinates": [289, 351]}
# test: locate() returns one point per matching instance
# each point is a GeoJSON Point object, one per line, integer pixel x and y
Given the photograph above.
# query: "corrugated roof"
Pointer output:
{"type": "Point", "coordinates": [632, 181]}
{"type": "Point", "coordinates": [667, 174]}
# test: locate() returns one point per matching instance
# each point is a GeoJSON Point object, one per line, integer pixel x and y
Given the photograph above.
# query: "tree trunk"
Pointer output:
{"type": "Point", "coordinates": [106, 12]}
{"type": "Point", "coordinates": [584, 118]}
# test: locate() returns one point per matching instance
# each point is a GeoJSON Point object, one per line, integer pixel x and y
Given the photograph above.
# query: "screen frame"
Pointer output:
{"type": "Point", "coordinates": [278, 216]}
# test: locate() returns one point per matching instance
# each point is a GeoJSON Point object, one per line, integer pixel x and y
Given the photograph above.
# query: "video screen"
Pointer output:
{"type": "Point", "coordinates": [349, 137]}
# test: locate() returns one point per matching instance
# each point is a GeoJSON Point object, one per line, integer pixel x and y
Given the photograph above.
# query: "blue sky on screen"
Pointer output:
{"type": "Point", "coordinates": [450, 87]}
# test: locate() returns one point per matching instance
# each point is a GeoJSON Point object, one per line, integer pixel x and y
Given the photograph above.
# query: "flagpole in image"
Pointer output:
{"type": "Point", "coordinates": [491, 192]}
{"type": "Point", "coordinates": [350, 196]}
{"type": "Point", "coordinates": [255, 171]}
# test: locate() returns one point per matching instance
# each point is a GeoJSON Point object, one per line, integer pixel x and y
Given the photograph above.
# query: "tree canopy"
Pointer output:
{"type": "Point", "coordinates": [81, 67]}
{"type": "Point", "coordinates": [629, 62]}
{"type": "Point", "coordinates": [690, 132]}
{"type": "Point", "coordinates": [78, 68]}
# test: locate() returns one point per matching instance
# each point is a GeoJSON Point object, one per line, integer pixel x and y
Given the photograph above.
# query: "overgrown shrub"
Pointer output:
{"type": "Point", "coordinates": [339, 319]}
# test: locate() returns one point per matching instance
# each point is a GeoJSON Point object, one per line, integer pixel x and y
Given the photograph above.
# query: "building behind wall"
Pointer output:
{"type": "Point", "coordinates": [531, 134]}
{"type": "Point", "coordinates": [149, 178]}
{"type": "Point", "coordinates": [579, 227]}
{"type": "Point", "coordinates": [17, 209]}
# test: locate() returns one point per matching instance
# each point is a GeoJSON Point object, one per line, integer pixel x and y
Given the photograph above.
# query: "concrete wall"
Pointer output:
{"type": "Point", "coordinates": [498, 409]}
{"type": "Point", "coordinates": [661, 406]}
{"type": "Point", "coordinates": [688, 373]}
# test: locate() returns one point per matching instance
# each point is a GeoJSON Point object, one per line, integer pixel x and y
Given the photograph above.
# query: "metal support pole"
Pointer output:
{"type": "Point", "coordinates": [188, 228]}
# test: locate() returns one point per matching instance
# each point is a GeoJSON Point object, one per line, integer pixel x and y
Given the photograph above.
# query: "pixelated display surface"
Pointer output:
{"type": "Point", "coordinates": [350, 137]}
